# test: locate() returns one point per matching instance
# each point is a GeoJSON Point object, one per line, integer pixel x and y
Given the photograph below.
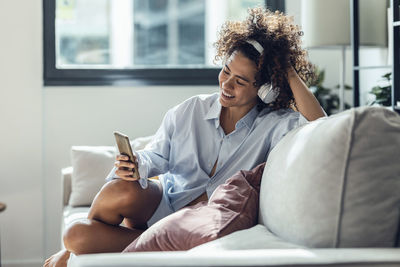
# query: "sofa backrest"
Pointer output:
{"type": "Point", "coordinates": [335, 182]}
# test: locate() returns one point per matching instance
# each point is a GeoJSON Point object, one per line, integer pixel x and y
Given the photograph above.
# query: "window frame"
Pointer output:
{"type": "Point", "coordinates": [96, 77]}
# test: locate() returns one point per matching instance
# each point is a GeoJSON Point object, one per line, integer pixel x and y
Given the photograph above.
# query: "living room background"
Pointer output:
{"type": "Point", "coordinates": [39, 125]}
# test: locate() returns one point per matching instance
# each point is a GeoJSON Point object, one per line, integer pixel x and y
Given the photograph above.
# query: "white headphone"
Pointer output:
{"type": "Point", "coordinates": [267, 94]}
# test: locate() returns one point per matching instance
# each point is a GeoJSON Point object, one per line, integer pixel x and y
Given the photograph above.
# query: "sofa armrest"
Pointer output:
{"type": "Point", "coordinates": [261, 257]}
{"type": "Point", "coordinates": [66, 176]}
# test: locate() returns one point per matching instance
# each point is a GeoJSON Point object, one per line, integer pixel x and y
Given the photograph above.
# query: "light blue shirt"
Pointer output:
{"type": "Point", "coordinates": [191, 139]}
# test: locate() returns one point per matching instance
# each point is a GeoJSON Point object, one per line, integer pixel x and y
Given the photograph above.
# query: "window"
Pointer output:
{"type": "Point", "coordinates": [103, 42]}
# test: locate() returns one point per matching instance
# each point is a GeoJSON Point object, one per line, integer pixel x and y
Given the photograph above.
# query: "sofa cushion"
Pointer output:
{"type": "Point", "coordinates": [90, 164]}
{"type": "Point", "coordinates": [233, 206]}
{"type": "Point", "coordinates": [72, 215]}
{"type": "Point", "coordinates": [335, 182]}
{"type": "Point", "coordinates": [351, 257]}
{"type": "Point", "coordinates": [256, 237]}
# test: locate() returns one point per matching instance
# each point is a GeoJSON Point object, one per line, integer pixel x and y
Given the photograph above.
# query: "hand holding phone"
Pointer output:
{"type": "Point", "coordinates": [126, 161]}
{"type": "Point", "coordinates": [125, 168]}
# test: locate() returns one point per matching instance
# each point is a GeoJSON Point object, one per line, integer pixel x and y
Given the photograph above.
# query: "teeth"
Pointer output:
{"type": "Point", "coordinates": [227, 95]}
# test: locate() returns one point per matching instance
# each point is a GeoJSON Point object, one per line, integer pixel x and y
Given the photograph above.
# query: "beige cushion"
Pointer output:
{"type": "Point", "coordinates": [90, 164]}
{"type": "Point", "coordinates": [335, 182]}
{"type": "Point", "coordinates": [256, 237]}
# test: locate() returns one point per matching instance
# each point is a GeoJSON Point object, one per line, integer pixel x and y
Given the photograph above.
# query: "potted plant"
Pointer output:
{"type": "Point", "coordinates": [382, 92]}
{"type": "Point", "coordinates": [328, 99]}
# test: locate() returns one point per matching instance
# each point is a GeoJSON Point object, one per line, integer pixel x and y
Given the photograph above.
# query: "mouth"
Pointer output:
{"type": "Point", "coordinates": [226, 95]}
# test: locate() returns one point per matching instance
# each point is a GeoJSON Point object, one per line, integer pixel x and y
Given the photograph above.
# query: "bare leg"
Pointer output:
{"type": "Point", "coordinates": [102, 232]}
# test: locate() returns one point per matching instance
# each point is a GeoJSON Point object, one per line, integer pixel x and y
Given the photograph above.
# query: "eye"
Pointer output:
{"type": "Point", "coordinates": [241, 84]}
{"type": "Point", "coordinates": [226, 72]}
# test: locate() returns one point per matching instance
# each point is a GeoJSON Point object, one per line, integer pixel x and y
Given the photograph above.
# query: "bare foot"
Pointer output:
{"type": "Point", "coordinates": [59, 259]}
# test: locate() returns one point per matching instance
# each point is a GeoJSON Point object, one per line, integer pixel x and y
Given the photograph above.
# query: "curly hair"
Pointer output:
{"type": "Point", "coordinates": [281, 40]}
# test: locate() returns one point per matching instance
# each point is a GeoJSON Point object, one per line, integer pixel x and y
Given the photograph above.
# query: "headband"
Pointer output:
{"type": "Point", "coordinates": [256, 46]}
{"type": "Point", "coordinates": [265, 92]}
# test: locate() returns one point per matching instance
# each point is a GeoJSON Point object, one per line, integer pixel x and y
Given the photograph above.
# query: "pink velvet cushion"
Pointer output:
{"type": "Point", "coordinates": [233, 206]}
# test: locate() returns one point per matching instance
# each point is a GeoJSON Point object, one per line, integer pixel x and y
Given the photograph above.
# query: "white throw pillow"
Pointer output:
{"type": "Point", "coordinates": [90, 164]}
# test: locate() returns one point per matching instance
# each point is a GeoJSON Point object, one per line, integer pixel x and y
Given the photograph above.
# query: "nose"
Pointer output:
{"type": "Point", "coordinates": [228, 83]}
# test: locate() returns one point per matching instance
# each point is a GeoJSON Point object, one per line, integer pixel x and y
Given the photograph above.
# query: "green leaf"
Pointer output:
{"type": "Point", "coordinates": [321, 77]}
{"type": "Point", "coordinates": [387, 76]}
{"type": "Point", "coordinates": [346, 86]}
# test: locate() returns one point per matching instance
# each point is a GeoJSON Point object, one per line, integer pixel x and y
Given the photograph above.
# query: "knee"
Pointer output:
{"type": "Point", "coordinates": [74, 237]}
{"type": "Point", "coordinates": [122, 193]}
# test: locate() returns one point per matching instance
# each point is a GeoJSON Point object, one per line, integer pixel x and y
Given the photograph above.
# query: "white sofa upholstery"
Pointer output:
{"type": "Point", "coordinates": [263, 257]}
{"type": "Point", "coordinates": [363, 139]}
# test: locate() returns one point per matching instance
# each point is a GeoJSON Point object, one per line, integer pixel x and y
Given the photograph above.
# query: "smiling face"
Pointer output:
{"type": "Point", "coordinates": [236, 82]}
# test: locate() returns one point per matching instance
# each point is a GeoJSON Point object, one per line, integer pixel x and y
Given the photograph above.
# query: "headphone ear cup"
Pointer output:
{"type": "Point", "coordinates": [263, 91]}
{"type": "Point", "coordinates": [266, 93]}
{"type": "Point", "coordinates": [271, 96]}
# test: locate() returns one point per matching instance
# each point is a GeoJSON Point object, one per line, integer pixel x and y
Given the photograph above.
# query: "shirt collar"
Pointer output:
{"type": "Point", "coordinates": [215, 111]}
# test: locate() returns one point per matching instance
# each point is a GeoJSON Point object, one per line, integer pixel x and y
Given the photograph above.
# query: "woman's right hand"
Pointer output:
{"type": "Point", "coordinates": [125, 168]}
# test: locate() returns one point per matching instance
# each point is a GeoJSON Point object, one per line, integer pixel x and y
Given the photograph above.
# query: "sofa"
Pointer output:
{"type": "Point", "coordinates": [329, 196]}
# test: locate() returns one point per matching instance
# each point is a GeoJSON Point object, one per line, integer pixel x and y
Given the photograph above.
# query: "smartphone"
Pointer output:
{"type": "Point", "coordinates": [124, 147]}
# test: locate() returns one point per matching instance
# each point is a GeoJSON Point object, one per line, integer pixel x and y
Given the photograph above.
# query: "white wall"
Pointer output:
{"type": "Point", "coordinates": [21, 131]}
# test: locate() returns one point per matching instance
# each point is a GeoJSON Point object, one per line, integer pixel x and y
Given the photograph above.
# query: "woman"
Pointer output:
{"type": "Point", "coordinates": [207, 138]}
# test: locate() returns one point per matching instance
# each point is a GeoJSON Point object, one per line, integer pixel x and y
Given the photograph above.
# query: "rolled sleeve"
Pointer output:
{"type": "Point", "coordinates": [142, 165]}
